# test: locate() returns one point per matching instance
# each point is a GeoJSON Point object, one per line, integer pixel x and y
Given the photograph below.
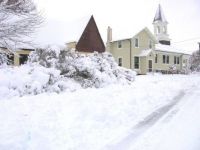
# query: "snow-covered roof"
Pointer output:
{"type": "Point", "coordinates": [55, 32]}
{"type": "Point", "coordinates": [169, 48]}
{"type": "Point", "coordinates": [134, 35]}
{"type": "Point", "coordinates": [145, 52]}
{"type": "Point", "coordinates": [159, 15]}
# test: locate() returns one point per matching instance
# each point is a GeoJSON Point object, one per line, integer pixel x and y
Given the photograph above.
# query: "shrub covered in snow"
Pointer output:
{"type": "Point", "coordinates": [195, 62]}
{"type": "Point", "coordinates": [32, 79]}
{"type": "Point", "coordinates": [91, 70]}
{"type": "Point", "coordinates": [3, 59]}
{"type": "Point", "coordinates": [55, 70]}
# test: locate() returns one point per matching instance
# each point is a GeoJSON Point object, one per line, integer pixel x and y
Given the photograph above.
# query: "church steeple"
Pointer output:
{"type": "Point", "coordinates": [160, 27]}
{"type": "Point", "coordinates": [159, 15]}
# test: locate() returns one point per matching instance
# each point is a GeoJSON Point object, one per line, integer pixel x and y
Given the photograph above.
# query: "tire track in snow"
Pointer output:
{"type": "Point", "coordinates": [145, 124]}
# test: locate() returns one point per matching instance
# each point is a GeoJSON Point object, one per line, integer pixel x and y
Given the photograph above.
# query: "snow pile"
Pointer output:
{"type": "Point", "coordinates": [88, 119]}
{"type": "Point", "coordinates": [55, 70]}
{"type": "Point", "coordinates": [91, 70]}
{"type": "Point", "coordinates": [19, 81]}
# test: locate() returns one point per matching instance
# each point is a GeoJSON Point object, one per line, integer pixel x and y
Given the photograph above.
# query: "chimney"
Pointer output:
{"type": "Point", "coordinates": [109, 34]}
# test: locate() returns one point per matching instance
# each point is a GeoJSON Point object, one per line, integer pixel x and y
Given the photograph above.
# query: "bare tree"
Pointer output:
{"type": "Point", "coordinates": [18, 20]}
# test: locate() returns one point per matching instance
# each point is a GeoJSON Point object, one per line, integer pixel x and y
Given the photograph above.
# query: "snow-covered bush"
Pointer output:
{"type": "Point", "coordinates": [91, 70]}
{"type": "Point", "coordinates": [32, 79]}
{"type": "Point", "coordinates": [55, 70]}
{"type": "Point", "coordinates": [47, 57]}
{"type": "Point", "coordinates": [3, 59]}
{"type": "Point", "coordinates": [172, 70]}
{"type": "Point", "coordinates": [195, 62]}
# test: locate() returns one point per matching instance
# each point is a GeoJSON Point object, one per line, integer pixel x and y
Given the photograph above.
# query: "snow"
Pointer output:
{"type": "Point", "coordinates": [179, 129]}
{"type": "Point", "coordinates": [102, 118]}
{"type": "Point", "coordinates": [56, 70]}
{"type": "Point", "coordinates": [169, 48]}
{"type": "Point", "coordinates": [145, 52]}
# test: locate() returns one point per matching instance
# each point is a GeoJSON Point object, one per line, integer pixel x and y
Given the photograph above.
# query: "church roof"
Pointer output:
{"type": "Point", "coordinates": [90, 40]}
{"type": "Point", "coordinates": [159, 15]}
{"type": "Point", "coordinates": [170, 49]}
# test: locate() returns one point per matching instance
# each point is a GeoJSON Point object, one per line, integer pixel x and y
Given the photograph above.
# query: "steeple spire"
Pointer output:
{"type": "Point", "coordinates": [160, 27]}
{"type": "Point", "coordinates": [159, 15]}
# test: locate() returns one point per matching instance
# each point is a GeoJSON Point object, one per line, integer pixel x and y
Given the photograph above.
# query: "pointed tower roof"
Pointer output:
{"type": "Point", "coordinates": [159, 15]}
{"type": "Point", "coordinates": [90, 39]}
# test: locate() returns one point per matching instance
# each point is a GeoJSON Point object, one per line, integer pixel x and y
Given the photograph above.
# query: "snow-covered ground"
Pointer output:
{"type": "Point", "coordinates": [155, 112]}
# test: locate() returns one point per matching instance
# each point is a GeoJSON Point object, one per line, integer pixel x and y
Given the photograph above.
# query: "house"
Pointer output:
{"type": "Point", "coordinates": [19, 57]}
{"type": "Point", "coordinates": [146, 52]}
{"type": "Point", "coordinates": [84, 36]}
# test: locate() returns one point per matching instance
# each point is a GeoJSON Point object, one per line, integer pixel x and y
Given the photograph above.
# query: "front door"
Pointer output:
{"type": "Point", "coordinates": [150, 65]}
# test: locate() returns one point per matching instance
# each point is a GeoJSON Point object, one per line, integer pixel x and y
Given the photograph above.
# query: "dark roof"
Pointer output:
{"type": "Point", "coordinates": [90, 39]}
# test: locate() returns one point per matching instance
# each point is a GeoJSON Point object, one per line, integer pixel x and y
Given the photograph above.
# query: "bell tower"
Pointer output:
{"type": "Point", "coordinates": [160, 27]}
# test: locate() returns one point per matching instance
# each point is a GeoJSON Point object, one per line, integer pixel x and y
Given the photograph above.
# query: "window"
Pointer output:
{"type": "Point", "coordinates": [176, 60]}
{"type": "Point", "coordinates": [23, 59]}
{"type": "Point", "coordinates": [136, 42]}
{"type": "Point", "coordinates": [120, 61]}
{"type": "Point", "coordinates": [165, 59]}
{"type": "Point", "coordinates": [150, 44]}
{"type": "Point", "coordinates": [136, 62]}
{"type": "Point", "coordinates": [156, 58]}
{"type": "Point", "coordinates": [158, 28]}
{"type": "Point", "coordinates": [119, 44]}
{"type": "Point", "coordinates": [165, 29]}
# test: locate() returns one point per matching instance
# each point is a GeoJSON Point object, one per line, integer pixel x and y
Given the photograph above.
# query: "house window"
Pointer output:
{"type": "Point", "coordinates": [156, 58]}
{"type": "Point", "coordinates": [150, 44]}
{"type": "Point", "coordinates": [119, 44]}
{"type": "Point", "coordinates": [120, 61]}
{"type": "Point", "coordinates": [165, 59]}
{"type": "Point", "coordinates": [23, 59]}
{"type": "Point", "coordinates": [136, 62]}
{"type": "Point", "coordinates": [176, 60]}
{"type": "Point", "coordinates": [136, 42]}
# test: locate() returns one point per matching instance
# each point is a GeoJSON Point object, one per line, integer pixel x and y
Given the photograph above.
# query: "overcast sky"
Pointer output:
{"type": "Point", "coordinates": [127, 17]}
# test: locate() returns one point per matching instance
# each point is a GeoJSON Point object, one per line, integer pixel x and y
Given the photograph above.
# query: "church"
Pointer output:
{"type": "Point", "coordinates": [146, 51]}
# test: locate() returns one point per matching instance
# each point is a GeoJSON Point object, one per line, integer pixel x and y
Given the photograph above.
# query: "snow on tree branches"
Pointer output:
{"type": "Point", "coordinates": [18, 20]}
{"type": "Point", "coordinates": [92, 70]}
{"type": "Point", "coordinates": [56, 70]}
{"type": "Point", "coordinates": [195, 62]}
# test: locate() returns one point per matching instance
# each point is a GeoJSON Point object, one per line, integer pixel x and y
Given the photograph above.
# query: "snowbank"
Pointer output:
{"type": "Point", "coordinates": [90, 70]}
{"type": "Point", "coordinates": [53, 70]}
{"type": "Point", "coordinates": [87, 119]}
{"type": "Point", "coordinates": [26, 79]}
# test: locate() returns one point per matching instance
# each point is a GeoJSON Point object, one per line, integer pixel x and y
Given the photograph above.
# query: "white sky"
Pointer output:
{"type": "Point", "coordinates": [127, 17]}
